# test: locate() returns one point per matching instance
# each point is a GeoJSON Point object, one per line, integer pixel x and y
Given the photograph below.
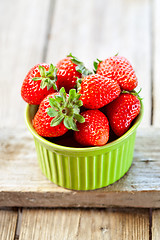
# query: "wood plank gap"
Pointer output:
{"type": "Point", "coordinates": [48, 28]}
{"type": "Point", "coordinates": [152, 58]}
{"type": "Point", "coordinates": [150, 224]}
{"type": "Point", "coordinates": [18, 226]}
{"type": "Point", "coordinates": [8, 208]}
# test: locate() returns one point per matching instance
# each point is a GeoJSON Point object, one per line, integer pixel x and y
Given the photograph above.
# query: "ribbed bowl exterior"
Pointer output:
{"type": "Point", "coordinates": [84, 168]}
{"type": "Point", "coordinates": [86, 172]}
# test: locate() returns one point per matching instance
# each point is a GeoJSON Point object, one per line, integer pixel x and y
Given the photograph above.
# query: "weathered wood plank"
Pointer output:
{"type": "Point", "coordinates": [24, 184]}
{"type": "Point", "coordinates": [99, 29]}
{"type": "Point", "coordinates": [22, 41]}
{"type": "Point", "coordinates": [78, 224]}
{"type": "Point", "coordinates": [8, 222]}
{"type": "Point", "coordinates": [155, 62]}
{"type": "Point", "coordinates": [156, 224]}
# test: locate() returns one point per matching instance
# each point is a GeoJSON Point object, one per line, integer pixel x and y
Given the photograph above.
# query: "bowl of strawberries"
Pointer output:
{"type": "Point", "coordinates": [83, 123]}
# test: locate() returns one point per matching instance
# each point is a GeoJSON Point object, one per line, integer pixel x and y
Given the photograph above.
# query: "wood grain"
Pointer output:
{"type": "Point", "coordinates": [155, 224]}
{"type": "Point", "coordinates": [91, 29]}
{"type": "Point", "coordinates": [155, 62]}
{"type": "Point", "coordinates": [22, 41]}
{"type": "Point", "coordinates": [88, 29]}
{"type": "Point", "coordinates": [22, 183]}
{"type": "Point", "coordinates": [8, 222]}
{"type": "Point", "coordinates": [83, 224]}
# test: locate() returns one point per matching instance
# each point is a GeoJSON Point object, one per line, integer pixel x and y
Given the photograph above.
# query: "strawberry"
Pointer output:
{"type": "Point", "coordinates": [122, 111]}
{"type": "Point", "coordinates": [94, 131]}
{"type": "Point", "coordinates": [38, 83]}
{"type": "Point", "coordinates": [57, 113]}
{"type": "Point", "coordinates": [69, 69]}
{"type": "Point", "coordinates": [97, 91]}
{"type": "Point", "coordinates": [118, 68]}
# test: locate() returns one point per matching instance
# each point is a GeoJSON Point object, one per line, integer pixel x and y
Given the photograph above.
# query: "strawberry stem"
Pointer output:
{"type": "Point", "coordinates": [66, 108]}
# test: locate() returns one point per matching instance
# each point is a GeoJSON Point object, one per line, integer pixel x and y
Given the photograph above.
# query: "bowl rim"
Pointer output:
{"type": "Point", "coordinates": [83, 149]}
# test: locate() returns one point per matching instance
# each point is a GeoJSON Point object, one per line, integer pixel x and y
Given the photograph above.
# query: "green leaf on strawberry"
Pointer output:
{"type": "Point", "coordinates": [66, 108]}
{"type": "Point", "coordinates": [79, 118]}
{"type": "Point", "coordinates": [80, 66]}
{"type": "Point", "coordinates": [57, 120]}
{"type": "Point", "coordinates": [54, 103]}
{"type": "Point", "coordinates": [135, 93]}
{"type": "Point", "coordinates": [52, 112]}
{"type": "Point", "coordinates": [48, 78]}
{"type": "Point", "coordinates": [70, 123]}
{"type": "Point", "coordinates": [95, 64]}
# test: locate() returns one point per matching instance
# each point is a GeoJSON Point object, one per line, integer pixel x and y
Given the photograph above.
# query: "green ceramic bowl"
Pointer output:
{"type": "Point", "coordinates": [84, 168]}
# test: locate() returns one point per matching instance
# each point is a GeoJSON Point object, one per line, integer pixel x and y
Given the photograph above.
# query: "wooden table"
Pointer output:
{"type": "Point", "coordinates": [35, 31]}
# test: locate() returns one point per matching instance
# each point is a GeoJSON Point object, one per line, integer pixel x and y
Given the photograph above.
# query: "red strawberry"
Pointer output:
{"type": "Point", "coordinates": [97, 91]}
{"type": "Point", "coordinates": [69, 69]}
{"type": "Point", "coordinates": [67, 74]}
{"type": "Point", "coordinates": [57, 113]}
{"type": "Point", "coordinates": [122, 111]}
{"type": "Point", "coordinates": [119, 69]}
{"type": "Point", "coordinates": [94, 131]}
{"type": "Point", "coordinates": [38, 83]}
